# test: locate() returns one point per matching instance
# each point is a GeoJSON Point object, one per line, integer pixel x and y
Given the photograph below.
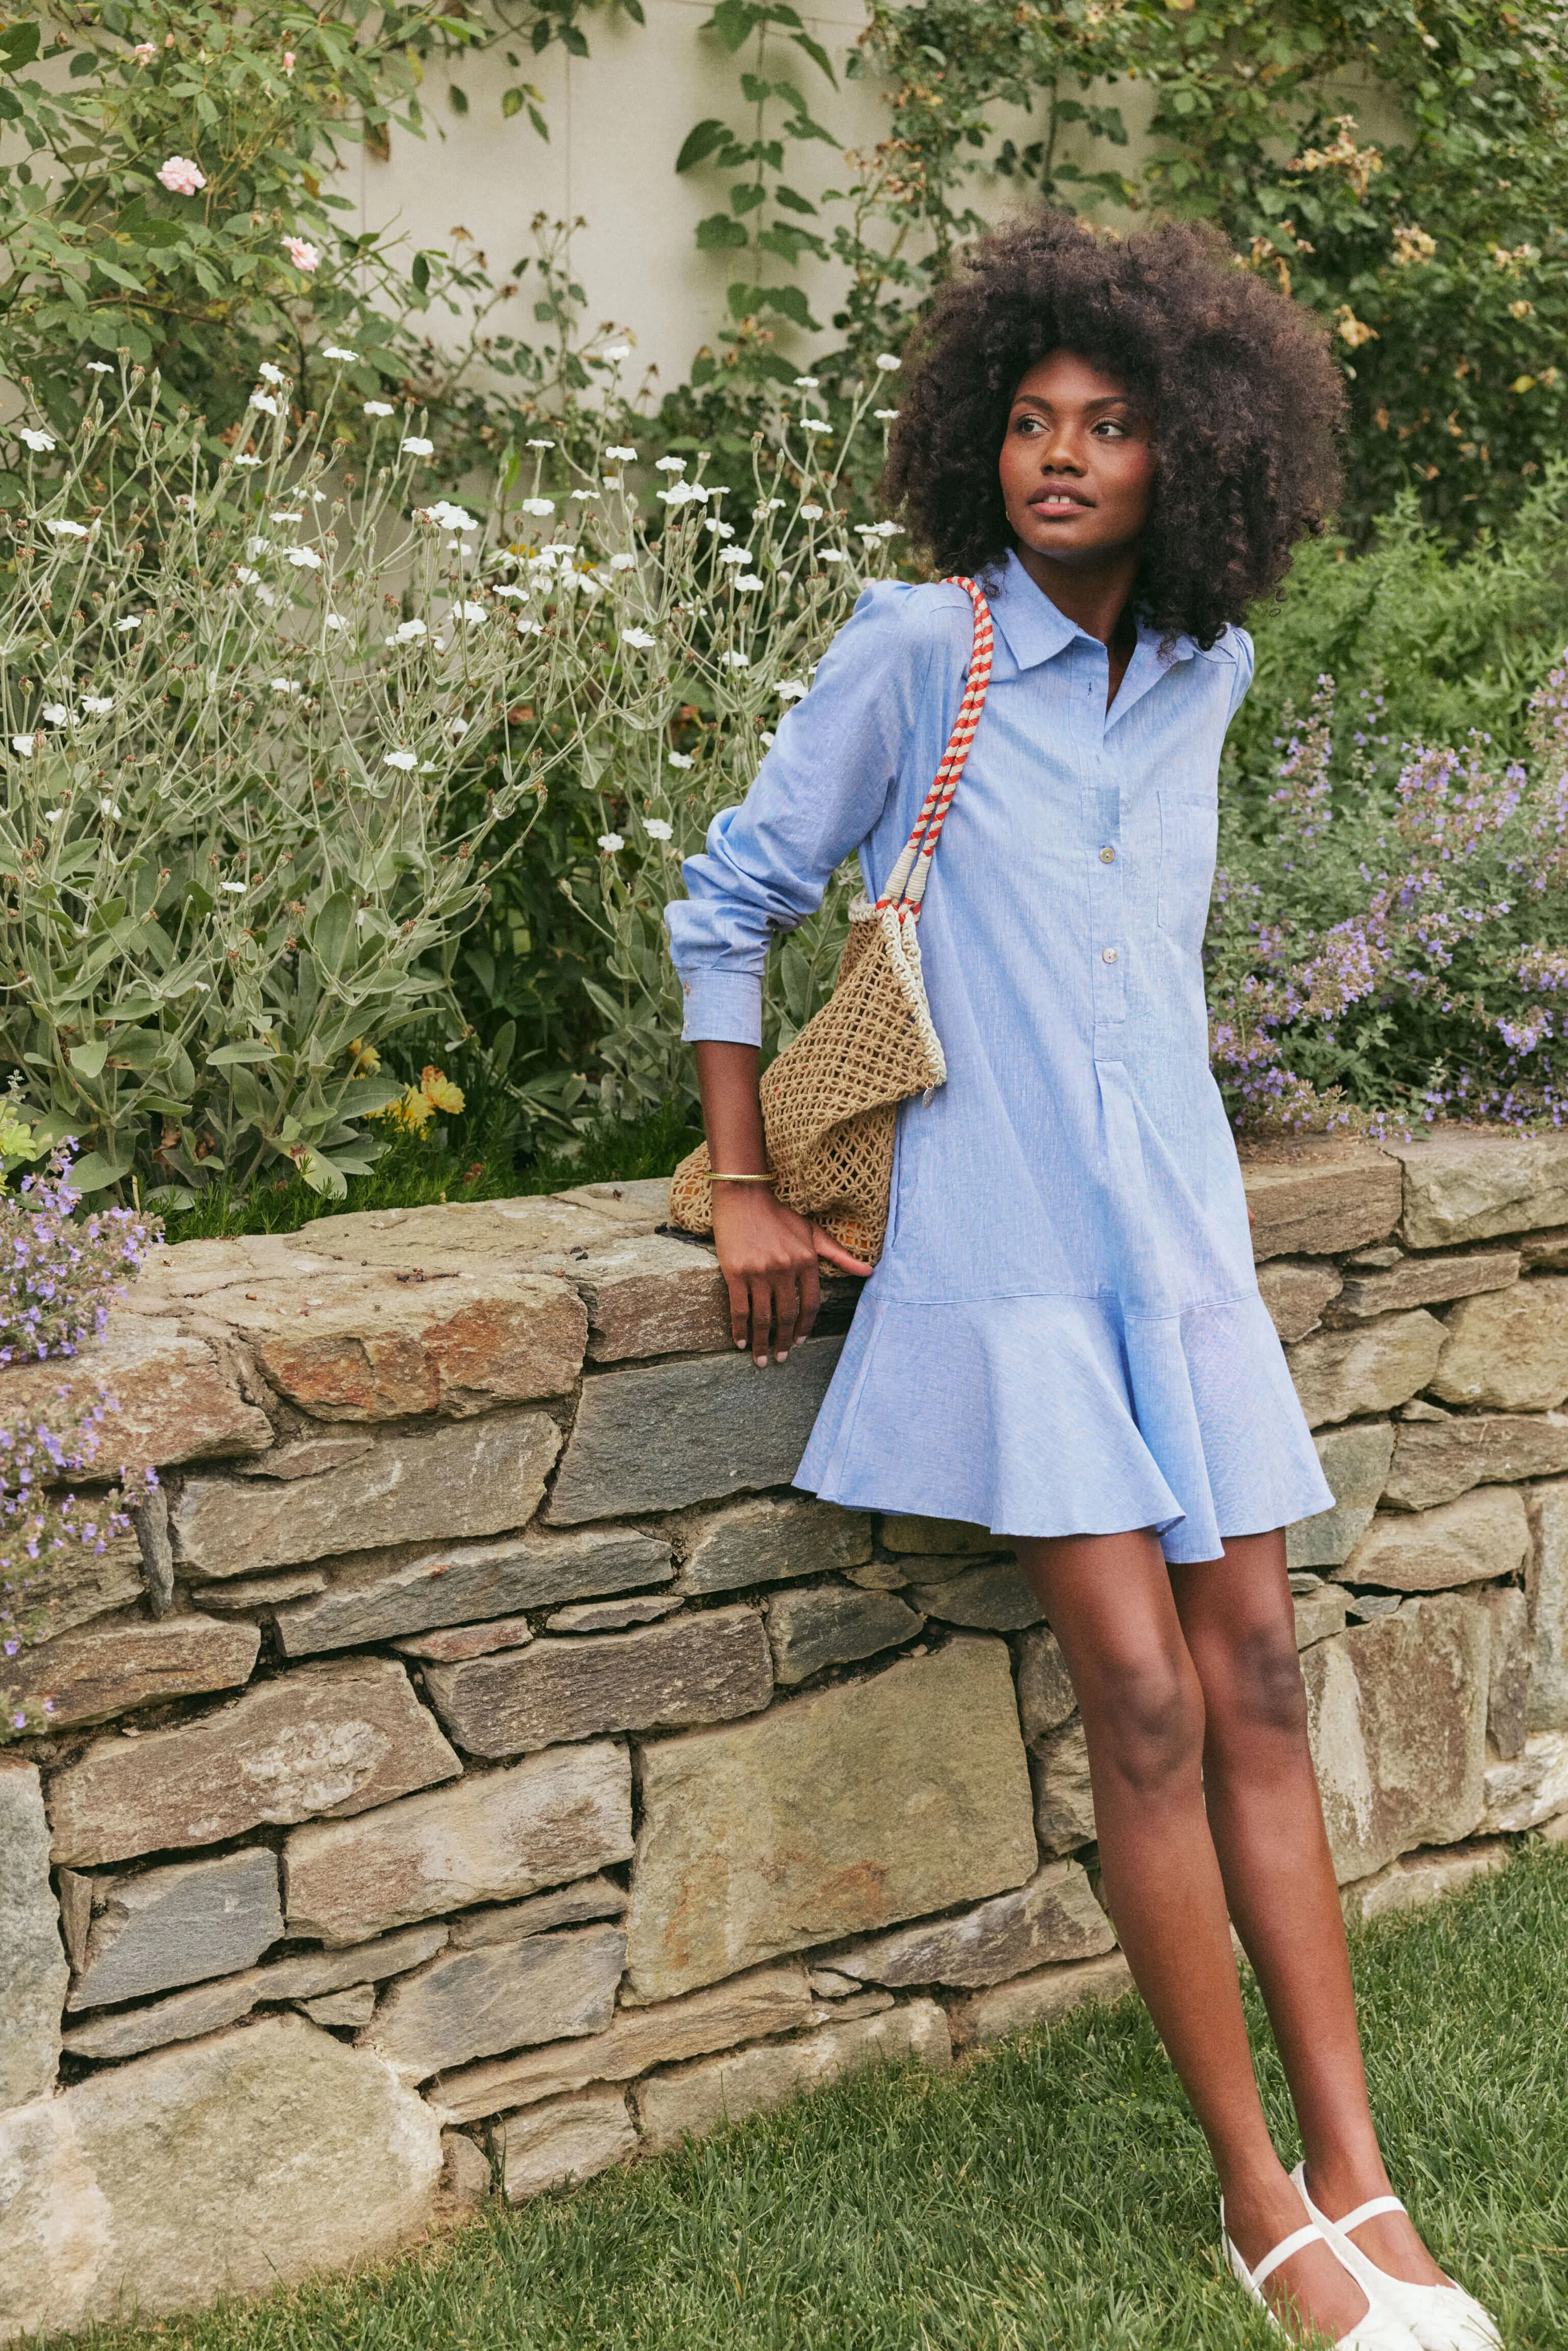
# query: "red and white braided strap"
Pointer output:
{"type": "Point", "coordinates": [906, 883]}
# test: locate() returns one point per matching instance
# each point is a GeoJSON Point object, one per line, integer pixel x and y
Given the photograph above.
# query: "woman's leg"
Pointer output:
{"type": "Point", "coordinates": [1110, 1604]}
{"type": "Point", "coordinates": [1267, 1823]}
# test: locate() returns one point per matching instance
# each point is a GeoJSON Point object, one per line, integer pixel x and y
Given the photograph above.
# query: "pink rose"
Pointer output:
{"type": "Point", "coordinates": [302, 255]}
{"type": "Point", "coordinates": [182, 177]}
{"type": "Point", "coordinates": [144, 52]}
{"type": "Point", "coordinates": [288, 61]}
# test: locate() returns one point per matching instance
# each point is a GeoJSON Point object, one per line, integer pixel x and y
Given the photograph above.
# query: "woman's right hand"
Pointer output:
{"type": "Point", "coordinates": [768, 1255]}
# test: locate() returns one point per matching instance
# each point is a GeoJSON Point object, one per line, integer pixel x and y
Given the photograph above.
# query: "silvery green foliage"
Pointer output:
{"type": "Point", "coordinates": [231, 853]}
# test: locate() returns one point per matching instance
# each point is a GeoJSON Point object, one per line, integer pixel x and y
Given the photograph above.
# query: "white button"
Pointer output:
{"type": "Point", "coordinates": [1107, 856]}
{"type": "Point", "coordinates": [1107, 955]}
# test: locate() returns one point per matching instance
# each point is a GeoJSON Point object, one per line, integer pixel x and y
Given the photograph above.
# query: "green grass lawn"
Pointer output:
{"type": "Point", "coordinates": [1052, 2192]}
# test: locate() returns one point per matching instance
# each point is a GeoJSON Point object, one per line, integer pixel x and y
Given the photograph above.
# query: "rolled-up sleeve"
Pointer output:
{"type": "Point", "coordinates": [818, 794]}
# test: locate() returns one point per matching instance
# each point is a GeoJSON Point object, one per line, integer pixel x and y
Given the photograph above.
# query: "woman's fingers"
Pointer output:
{"type": "Point", "coordinates": [811, 1298]}
{"type": "Point", "coordinates": [739, 1307]}
{"type": "Point", "coordinates": [761, 1316]}
{"type": "Point", "coordinates": [786, 1312]}
{"type": "Point", "coordinates": [835, 1254]}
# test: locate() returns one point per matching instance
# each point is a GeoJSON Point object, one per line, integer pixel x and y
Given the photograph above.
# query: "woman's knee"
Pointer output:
{"type": "Point", "coordinates": [1145, 1721]}
{"type": "Point", "coordinates": [1256, 1688]}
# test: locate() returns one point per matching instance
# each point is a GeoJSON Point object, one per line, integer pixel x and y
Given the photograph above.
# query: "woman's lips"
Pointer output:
{"type": "Point", "coordinates": [1056, 502]}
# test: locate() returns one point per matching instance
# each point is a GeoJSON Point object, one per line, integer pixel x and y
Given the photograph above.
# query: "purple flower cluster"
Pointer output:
{"type": "Point", "coordinates": [1397, 954]}
{"type": "Point", "coordinates": [60, 1275]}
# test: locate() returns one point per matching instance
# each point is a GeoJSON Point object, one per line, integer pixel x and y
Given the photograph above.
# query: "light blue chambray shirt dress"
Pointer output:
{"type": "Point", "coordinates": [1063, 1334]}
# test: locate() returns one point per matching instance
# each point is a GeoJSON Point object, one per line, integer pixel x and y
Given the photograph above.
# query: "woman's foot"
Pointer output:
{"type": "Point", "coordinates": [1311, 2293]}
{"type": "Point", "coordinates": [1440, 2315]}
{"type": "Point", "coordinates": [1389, 2240]}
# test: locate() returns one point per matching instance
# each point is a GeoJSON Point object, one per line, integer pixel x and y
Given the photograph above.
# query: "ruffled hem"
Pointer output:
{"type": "Point", "coordinates": [1034, 1415]}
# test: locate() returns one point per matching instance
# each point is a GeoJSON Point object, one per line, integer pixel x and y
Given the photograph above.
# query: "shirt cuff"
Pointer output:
{"type": "Point", "coordinates": [722, 1008]}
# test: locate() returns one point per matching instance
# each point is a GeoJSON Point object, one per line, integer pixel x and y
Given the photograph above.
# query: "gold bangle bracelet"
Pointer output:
{"type": "Point", "coordinates": [716, 1178]}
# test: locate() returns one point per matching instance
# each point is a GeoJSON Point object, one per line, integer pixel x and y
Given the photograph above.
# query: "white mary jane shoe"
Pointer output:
{"type": "Point", "coordinates": [1376, 2330]}
{"type": "Point", "coordinates": [1440, 2317]}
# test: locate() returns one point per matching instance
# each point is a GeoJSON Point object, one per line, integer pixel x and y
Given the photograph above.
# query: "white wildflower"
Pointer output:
{"type": "Point", "coordinates": [807, 382]}
{"type": "Point", "coordinates": [736, 661]}
{"type": "Point", "coordinates": [23, 745]}
{"type": "Point", "coordinates": [470, 612]}
{"type": "Point", "coordinates": [447, 515]}
{"type": "Point", "coordinates": [769, 740]}
{"type": "Point", "coordinates": [887, 363]}
{"type": "Point", "coordinates": [287, 685]}
{"type": "Point", "coordinates": [521, 594]}
{"type": "Point", "coordinates": [409, 630]}
{"type": "Point", "coordinates": [99, 367]}
{"type": "Point", "coordinates": [340, 351]}
{"type": "Point", "coordinates": [56, 713]}
{"type": "Point", "coordinates": [735, 555]}
{"type": "Point", "coordinates": [236, 889]}
{"type": "Point", "coordinates": [63, 528]}
{"type": "Point", "coordinates": [669, 465]}
{"type": "Point", "coordinates": [679, 759]}
{"type": "Point", "coordinates": [110, 809]}
{"type": "Point", "coordinates": [640, 638]}
{"type": "Point", "coordinates": [584, 494]}
{"type": "Point", "coordinates": [413, 445]}
{"type": "Point", "coordinates": [791, 690]}
{"type": "Point", "coordinates": [657, 828]}
{"type": "Point", "coordinates": [538, 505]}
{"type": "Point", "coordinates": [403, 759]}
{"type": "Point", "coordinates": [529, 628]}
{"type": "Point", "coordinates": [97, 705]}
{"type": "Point", "coordinates": [378, 408]}
{"type": "Point", "coordinates": [132, 621]}
{"type": "Point", "coordinates": [816, 424]}
{"type": "Point", "coordinates": [720, 529]}
{"type": "Point", "coordinates": [609, 842]}
{"type": "Point", "coordinates": [831, 555]}
{"type": "Point", "coordinates": [333, 621]}
{"type": "Point", "coordinates": [624, 563]}
{"type": "Point", "coordinates": [41, 443]}
{"type": "Point", "coordinates": [622, 455]}
{"type": "Point", "coordinates": [304, 558]}
{"type": "Point", "coordinates": [811, 514]}
{"type": "Point", "coordinates": [747, 583]}
{"type": "Point", "coordinates": [52, 816]}
{"type": "Point", "coordinates": [246, 576]}
{"type": "Point", "coordinates": [768, 506]}
{"type": "Point", "coordinates": [541, 445]}
{"type": "Point", "coordinates": [457, 728]}
{"type": "Point", "coordinates": [270, 374]}
{"type": "Point", "coordinates": [616, 352]}
{"type": "Point", "coordinates": [884, 415]}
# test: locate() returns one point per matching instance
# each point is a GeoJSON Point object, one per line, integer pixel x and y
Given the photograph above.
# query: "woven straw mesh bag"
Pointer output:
{"type": "Point", "coordinates": [830, 1102]}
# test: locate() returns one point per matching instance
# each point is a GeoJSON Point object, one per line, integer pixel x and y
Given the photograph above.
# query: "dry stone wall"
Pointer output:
{"type": "Point", "coordinates": [481, 1766]}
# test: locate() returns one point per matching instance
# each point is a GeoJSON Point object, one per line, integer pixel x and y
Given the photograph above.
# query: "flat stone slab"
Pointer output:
{"type": "Point", "coordinates": [1509, 1670]}
{"type": "Point", "coordinates": [948, 1536]}
{"type": "Point", "coordinates": [33, 1970]}
{"type": "Point", "coordinates": [1463, 1186]}
{"type": "Point", "coordinates": [1435, 1461]}
{"type": "Point", "coordinates": [468, 2004]}
{"type": "Point", "coordinates": [77, 1585]}
{"type": "Point", "coordinates": [611, 1615]}
{"type": "Point", "coordinates": [347, 2010]}
{"type": "Point", "coordinates": [175, 1403]}
{"type": "Point", "coordinates": [1482, 1535]}
{"type": "Point", "coordinates": [648, 1295]}
{"type": "Point", "coordinates": [376, 1598]}
{"type": "Point", "coordinates": [184, 2016]}
{"type": "Point", "coordinates": [1046, 1698]}
{"type": "Point", "coordinates": [563, 1906]}
{"type": "Point", "coordinates": [826, 1625]}
{"type": "Point", "coordinates": [1423, 1281]}
{"type": "Point", "coordinates": [838, 1812]}
{"type": "Point", "coordinates": [435, 1485]}
{"type": "Point", "coordinates": [1546, 1587]}
{"type": "Point", "coordinates": [1398, 1715]}
{"type": "Point", "coordinates": [560, 2145]}
{"type": "Point", "coordinates": [998, 1598]}
{"type": "Point", "coordinates": [1054, 1917]}
{"type": "Point", "coordinates": [692, 2100]}
{"type": "Point", "coordinates": [458, 1640]}
{"type": "Point", "coordinates": [178, 1924]}
{"type": "Point", "coordinates": [89, 1675]}
{"type": "Point", "coordinates": [1319, 1614]}
{"type": "Point", "coordinates": [1369, 1369]}
{"type": "Point", "coordinates": [1319, 1198]}
{"type": "Point", "coordinates": [1355, 1463]}
{"type": "Point", "coordinates": [1416, 1879]}
{"type": "Point", "coordinates": [328, 1738]}
{"type": "Point", "coordinates": [379, 1344]}
{"type": "Point", "coordinates": [229, 2166]}
{"type": "Point", "coordinates": [1042, 1998]}
{"type": "Point", "coordinates": [750, 2007]}
{"type": "Point", "coordinates": [310, 1975]}
{"type": "Point", "coordinates": [689, 1431]}
{"type": "Point", "coordinates": [1510, 1349]}
{"type": "Point", "coordinates": [1531, 1789]}
{"type": "Point", "coordinates": [768, 1542]}
{"type": "Point", "coordinates": [1064, 1797]}
{"type": "Point", "coordinates": [701, 1667]}
{"type": "Point", "coordinates": [494, 1837]}
{"type": "Point", "coordinates": [1295, 1291]}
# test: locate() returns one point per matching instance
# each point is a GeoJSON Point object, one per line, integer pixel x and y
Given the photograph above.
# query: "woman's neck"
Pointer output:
{"type": "Point", "coordinates": [1095, 596]}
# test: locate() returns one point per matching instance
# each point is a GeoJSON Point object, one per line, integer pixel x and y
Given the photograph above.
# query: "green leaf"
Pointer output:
{"type": "Point", "coordinates": [733, 21]}
{"type": "Point", "coordinates": [420, 274]}
{"type": "Point", "coordinates": [97, 1170]}
{"type": "Point", "coordinates": [791, 301]}
{"type": "Point", "coordinates": [817, 54]}
{"type": "Point", "coordinates": [457, 97]}
{"type": "Point", "coordinates": [20, 44]}
{"type": "Point", "coordinates": [701, 142]}
{"type": "Point", "coordinates": [228, 1056]}
{"type": "Point", "coordinates": [792, 201]}
{"type": "Point", "coordinates": [718, 232]}
{"type": "Point", "coordinates": [88, 1060]}
{"type": "Point", "coordinates": [504, 1047]}
{"type": "Point", "coordinates": [321, 1176]}
{"type": "Point", "coordinates": [332, 930]}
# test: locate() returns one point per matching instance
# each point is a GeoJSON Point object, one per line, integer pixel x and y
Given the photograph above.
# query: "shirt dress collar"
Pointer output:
{"type": "Point", "coordinates": [1035, 631]}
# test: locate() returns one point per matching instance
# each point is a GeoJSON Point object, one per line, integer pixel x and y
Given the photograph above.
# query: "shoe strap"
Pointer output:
{"type": "Point", "coordinates": [1368, 2211]}
{"type": "Point", "coordinates": [1294, 2244]}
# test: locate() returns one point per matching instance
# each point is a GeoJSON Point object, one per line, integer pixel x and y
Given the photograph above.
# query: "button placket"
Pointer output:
{"type": "Point", "coordinates": [1108, 943]}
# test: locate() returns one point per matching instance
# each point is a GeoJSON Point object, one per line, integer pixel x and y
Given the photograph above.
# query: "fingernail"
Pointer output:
{"type": "Point", "coordinates": [782, 1356]}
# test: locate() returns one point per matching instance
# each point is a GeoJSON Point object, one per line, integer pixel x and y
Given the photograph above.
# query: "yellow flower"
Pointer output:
{"type": "Point", "coordinates": [439, 1091]}
{"type": "Point", "coordinates": [411, 1109]}
{"type": "Point", "coordinates": [364, 1060]}
{"type": "Point", "coordinates": [1351, 330]}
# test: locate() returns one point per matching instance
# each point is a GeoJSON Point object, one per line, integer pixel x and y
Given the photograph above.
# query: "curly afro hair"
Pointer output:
{"type": "Point", "coordinates": [1244, 399]}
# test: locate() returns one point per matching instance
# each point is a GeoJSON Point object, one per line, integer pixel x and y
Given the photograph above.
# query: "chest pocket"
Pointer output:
{"type": "Point", "coordinates": [1190, 841]}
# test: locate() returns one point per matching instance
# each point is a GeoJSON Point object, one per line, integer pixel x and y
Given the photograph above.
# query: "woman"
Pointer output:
{"type": "Point", "coordinates": [1063, 1339]}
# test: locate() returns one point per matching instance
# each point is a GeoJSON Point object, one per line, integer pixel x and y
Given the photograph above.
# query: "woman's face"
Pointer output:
{"type": "Point", "coordinates": [1077, 463]}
